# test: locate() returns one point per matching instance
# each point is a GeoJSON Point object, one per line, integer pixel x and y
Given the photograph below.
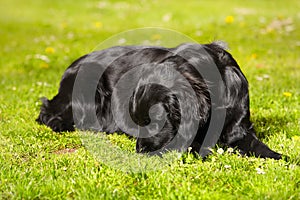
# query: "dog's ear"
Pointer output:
{"type": "Point", "coordinates": [56, 116]}
{"type": "Point", "coordinates": [174, 109]}
{"type": "Point", "coordinates": [43, 111]}
{"type": "Point", "coordinates": [45, 102]}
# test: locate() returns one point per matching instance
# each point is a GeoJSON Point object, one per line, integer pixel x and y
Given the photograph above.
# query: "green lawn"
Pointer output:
{"type": "Point", "coordinates": [39, 39]}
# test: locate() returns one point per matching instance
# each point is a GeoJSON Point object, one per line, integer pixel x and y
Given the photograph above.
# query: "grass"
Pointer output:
{"type": "Point", "coordinates": [36, 163]}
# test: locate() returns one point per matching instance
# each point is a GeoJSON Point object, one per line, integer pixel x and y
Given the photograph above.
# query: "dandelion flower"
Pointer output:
{"type": "Point", "coordinates": [63, 25]}
{"type": "Point", "coordinates": [156, 37]}
{"type": "Point", "coordinates": [242, 24]}
{"type": "Point", "coordinates": [287, 94]}
{"type": "Point", "coordinates": [44, 65]}
{"type": "Point", "coordinates": [49, 50]}
{"type": "Point", "coordinates": [229, 19]}
{"type": "Point", "coordinates": [296, 137]}
{"type": "Point", "coordinates": [98, 24]}
{"type": "Point", "coordinates": [253, 56]}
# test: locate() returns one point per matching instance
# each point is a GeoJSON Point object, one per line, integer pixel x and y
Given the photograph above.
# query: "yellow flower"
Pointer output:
{"type": "Point", "coordinates": [253, 56]}
{"type": "Point", "coordinates": [229, 19]}
{"type": "Point", "coordinates": [156, 37]}
{"type": "Point", "coordinates": [287, 94]}
{"type": "Point", "coordinates": [63, 25]}
{"type": "Point", "coordinates": [44, 65]}
{"type": "Point", "coordinates": [296, 138]}
{"type": "Point", "coordinates": [50, 50]}
{"type": "Point", "coordinates": [98, 24]}
{"type": "Point", "coordinates": [242, 24]}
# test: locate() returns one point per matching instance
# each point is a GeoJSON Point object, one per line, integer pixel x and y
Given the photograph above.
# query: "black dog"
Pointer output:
{"type": "Point", "coordinates": [169, 96]}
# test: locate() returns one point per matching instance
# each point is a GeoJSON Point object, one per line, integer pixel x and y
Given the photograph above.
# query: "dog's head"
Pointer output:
{"type": "Point", "coordinates": [154, 103]}
{"type": "Point", "coordinates": [51, 114]}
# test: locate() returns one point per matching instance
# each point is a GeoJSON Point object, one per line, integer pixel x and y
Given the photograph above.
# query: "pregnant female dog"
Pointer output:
{"type": "Point", "coordinates": [160, 96]}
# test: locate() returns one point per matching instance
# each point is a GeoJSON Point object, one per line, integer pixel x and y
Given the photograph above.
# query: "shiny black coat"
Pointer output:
{"type": "Point", "coordinates": [105, 68]}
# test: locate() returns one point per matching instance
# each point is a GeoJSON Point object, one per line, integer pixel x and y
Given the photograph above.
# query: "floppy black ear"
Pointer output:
{"type": "Point", "coordinates": [45, 101]}
{"type": "Point", "coordinates": [56, 115]}
{"type": "Point", "coordinates": [173, 108]}
{"type": "Point", "coordinates": [42, 118]}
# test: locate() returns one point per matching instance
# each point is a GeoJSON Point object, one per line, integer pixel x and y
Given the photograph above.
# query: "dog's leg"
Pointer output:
{"type": "Point", "coordinates": [240, 134]}
{"type": "Point", "coordinates": [239, 131]}
{"type": "Point", "coordinates": [250, 145]}
{"type": "Point", "coordinates": [152, 144]}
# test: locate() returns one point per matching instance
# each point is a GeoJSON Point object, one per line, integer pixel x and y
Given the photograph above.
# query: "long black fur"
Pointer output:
{"type": "Point", "coordinates": [237, 132]}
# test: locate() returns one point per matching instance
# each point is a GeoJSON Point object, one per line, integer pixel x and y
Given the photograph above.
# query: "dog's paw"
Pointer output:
{"type": "Point", "coordinates": [58, 125]}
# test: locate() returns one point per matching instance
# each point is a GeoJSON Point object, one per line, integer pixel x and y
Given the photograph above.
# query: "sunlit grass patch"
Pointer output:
{"type": "Point", "coordinates": [39, 39]}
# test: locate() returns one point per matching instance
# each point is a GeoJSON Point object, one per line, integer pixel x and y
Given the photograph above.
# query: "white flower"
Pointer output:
{"type": "Point", "coordinates": [42, 57]}
{"type": "Point", "coordinates": [167, 17]}
{"type": "Point", "coordinates": [122, 41]}
{"type": "Point", "coordinates": [266, 76]}
{"type": "Point", "coordinates": [220, 151]}
{"type": "Point", "coordinates": [230, 150]}
{"type": "Point", "coordinates": [259, 78]}
{"type": "Point", "coordinates": [227, 166]}
{"type": "Point", "coordinates": [260, 171]}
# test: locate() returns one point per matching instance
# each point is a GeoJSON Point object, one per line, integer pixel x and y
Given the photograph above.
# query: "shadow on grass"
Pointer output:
{"type": "Point", "coordinates": [269, 125]}
{"type": "Point", "coordinates": [283, 125]}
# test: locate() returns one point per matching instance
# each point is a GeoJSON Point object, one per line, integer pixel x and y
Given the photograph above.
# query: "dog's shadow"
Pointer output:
{"type": "Point", "coordinates": [276, 124]}
{"type": "Point", "coordinates": [266, 125]}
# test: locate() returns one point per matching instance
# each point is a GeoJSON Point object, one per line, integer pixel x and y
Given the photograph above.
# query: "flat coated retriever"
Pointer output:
{"type": "Point", "coordinates": [168, 98]}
